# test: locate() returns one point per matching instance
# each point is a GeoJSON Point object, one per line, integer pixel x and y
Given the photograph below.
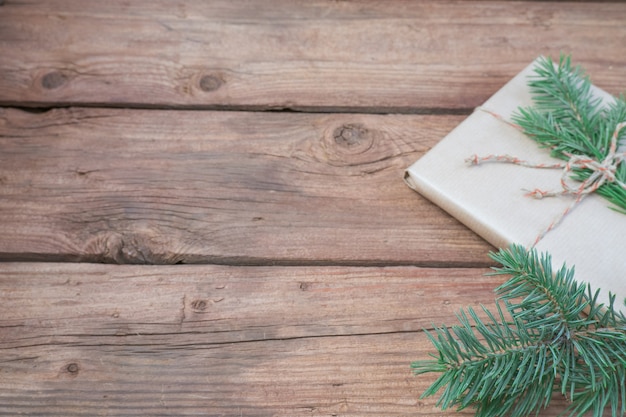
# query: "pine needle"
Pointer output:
{"type": "Point", "coordinates": [569, 120]}
{"type": "Point", "coordinates": [548, 334]}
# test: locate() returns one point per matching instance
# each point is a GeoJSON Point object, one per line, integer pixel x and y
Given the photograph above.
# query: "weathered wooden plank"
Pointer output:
{"type": "Point", "coordinates": [355, 376]}
{"type": "Point", "coordinates": [78, 304]}
{"type": "Point", "coordinates": [376, 56]}
{"type": "Point", "coordinates": [152, 186]}
{"type": "Point", "coordinates": [80, 339]}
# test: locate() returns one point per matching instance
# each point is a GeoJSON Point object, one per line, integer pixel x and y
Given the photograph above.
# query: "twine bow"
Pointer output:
{"type": "Point", "coordinates": [601, 172]}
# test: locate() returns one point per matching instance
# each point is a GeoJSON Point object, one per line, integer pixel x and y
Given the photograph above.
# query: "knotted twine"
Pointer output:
{"type": "Point", "coordinates": [601, 172]}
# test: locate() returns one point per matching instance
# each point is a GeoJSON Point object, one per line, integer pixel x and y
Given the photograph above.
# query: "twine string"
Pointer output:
{"type": "Point", "coordinates": [601, 172]}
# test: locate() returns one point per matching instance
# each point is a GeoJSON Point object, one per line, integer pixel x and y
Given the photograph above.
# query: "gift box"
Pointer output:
{"type": "Point", "coordinates": [492, 198]}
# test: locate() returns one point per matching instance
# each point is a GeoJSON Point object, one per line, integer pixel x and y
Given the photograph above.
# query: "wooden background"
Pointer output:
{"type": "Point", "coordinates": [247, 159]}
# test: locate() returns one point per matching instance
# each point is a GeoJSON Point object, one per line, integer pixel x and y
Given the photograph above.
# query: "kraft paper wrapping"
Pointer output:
{"type": "Point", "coordinates": [491, 198]}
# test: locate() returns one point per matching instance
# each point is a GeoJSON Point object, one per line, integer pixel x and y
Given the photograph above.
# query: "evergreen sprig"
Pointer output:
{"type": "Point", "coordinates": [570, 120]}
{"type": "Point", "coordinates": [548, 334]}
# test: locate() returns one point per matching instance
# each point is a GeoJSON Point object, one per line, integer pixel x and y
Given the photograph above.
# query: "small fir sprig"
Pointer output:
{"type": "Point", "coordinates": [572, 122]}
{"type": "Point", "coordinates": [548, 334]}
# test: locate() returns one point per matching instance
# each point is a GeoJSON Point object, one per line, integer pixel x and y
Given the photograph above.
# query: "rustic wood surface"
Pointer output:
{"type": "Point", "coordinates": [265, 143]}
{"type": "Point", "coordinates": [84, 339]}
{"type": "Point", "coordinates": [401, 56]}
{"type": "Point", "coordinates": [153, 186]}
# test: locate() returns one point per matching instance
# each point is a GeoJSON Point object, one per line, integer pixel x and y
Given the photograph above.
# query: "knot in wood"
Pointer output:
{"type": "Point", "coordinates": [210, 83]}
{"type": "Point", "coordinates": [199, 305]}
{"type": "Point", "coordinates": [350, 135]}
{"type": "Point", "coordinates": [72, 368]}
{"type": "Point", "coordinates": [353, 138]}
{"type": "Point", "coordinates": [53, 79]}
{"type": "Point", "coordinates": [123, 248]}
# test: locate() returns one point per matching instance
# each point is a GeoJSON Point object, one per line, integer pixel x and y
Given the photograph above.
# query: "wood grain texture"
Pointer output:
{"type": "Point", "coordinates": [369, 56]}
{"type": "Point", "coordinates": [147, 186]}
{"type": "Point", "coordinates": [80, 339]}
{"type": "Point", "coordinates": [129, 133]}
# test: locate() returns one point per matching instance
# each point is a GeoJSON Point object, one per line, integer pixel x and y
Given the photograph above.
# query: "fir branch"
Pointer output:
{"type": "Point", "coordinates": [548, 334]}
{"type": "Point", "coordinates": [569, 120]}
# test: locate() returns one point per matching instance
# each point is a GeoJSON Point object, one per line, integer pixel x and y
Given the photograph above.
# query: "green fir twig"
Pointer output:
{"type": "Point", "coordinates": [548, 334]}
{"type": "Point", "coordinates": [570, 120]}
